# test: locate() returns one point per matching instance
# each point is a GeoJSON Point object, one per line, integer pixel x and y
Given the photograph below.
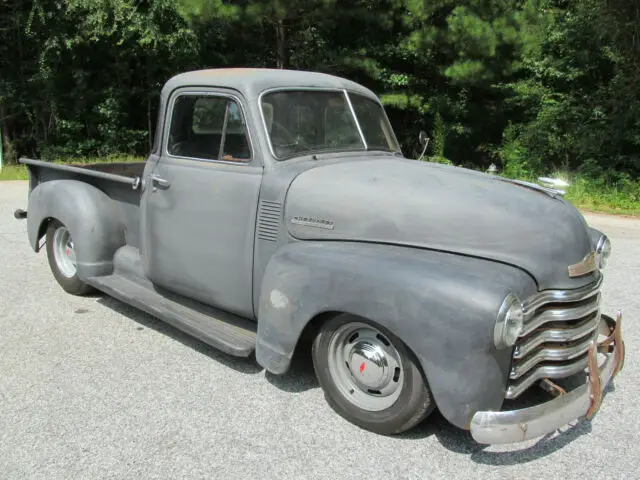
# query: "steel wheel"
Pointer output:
{"type": "Point", "coordinates": [64, 252]}
{"type": "Point", "coordinates": [61, 254]}
{"type": "Point", "coordinates": [365, 366]}
{"type": "Point", "coordinates": [369, 376]}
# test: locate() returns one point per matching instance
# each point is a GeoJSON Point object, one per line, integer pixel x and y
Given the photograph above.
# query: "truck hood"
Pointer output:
{"type": "Point", "coordinates": [420, 204]}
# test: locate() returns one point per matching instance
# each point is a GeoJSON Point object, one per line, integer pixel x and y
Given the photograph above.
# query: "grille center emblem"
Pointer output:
{"type": "Point", "coordinates": [587, 265]}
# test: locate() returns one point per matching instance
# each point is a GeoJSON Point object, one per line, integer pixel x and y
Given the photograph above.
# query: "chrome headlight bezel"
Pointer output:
{"type": "Point", "coordinates": [509, 322]}
{"type": "Point", "coordinates": [603, 251]}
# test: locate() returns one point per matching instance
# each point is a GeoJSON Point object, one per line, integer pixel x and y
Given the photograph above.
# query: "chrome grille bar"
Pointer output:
{"type": "Point", "coordinates": [559, 327]}
{"type": "Point", "coordinates": [556, 335]}
{"type": "Point", "coordinates": [561, 315]}
{"type": "Point", "coordinates": [561, 296]}
{"type": "Point", "coordinates": [556, 354]}
{"type": "Point", "coordinates": [548, 371]}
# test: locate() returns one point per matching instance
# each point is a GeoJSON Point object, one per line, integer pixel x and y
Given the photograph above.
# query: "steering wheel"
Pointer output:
{"type": "Point", "coordinates": [290, 142]}
{"type": "Point", "coordinates": [178, 148]}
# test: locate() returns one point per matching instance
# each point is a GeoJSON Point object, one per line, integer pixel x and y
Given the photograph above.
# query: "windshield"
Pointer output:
{"type": "Point", "coordinates": [312, 121]}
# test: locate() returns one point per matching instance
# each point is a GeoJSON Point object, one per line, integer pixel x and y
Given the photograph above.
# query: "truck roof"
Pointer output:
{"type": "Point", "coordinates": [252, 81]}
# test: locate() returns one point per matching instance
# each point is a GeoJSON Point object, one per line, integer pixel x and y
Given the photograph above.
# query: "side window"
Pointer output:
{"type": "Point", "coordinates": [208, 115]}
{"type": "Point", "coordinates": [208, 127]}
{"type": "Point", "coordinates": [236, 145]}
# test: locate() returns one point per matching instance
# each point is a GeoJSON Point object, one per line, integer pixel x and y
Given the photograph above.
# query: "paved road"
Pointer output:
{"type": "Point", "coordinates": [90, 388]}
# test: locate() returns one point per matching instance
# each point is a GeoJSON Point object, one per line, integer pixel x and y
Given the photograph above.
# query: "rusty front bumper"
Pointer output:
{"type": "Point", "coordinates": [518, 425]}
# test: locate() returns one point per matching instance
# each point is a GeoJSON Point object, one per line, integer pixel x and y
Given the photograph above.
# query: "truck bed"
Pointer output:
{"type": "Point", "coordinates": [127, 169]}
{"type": "Point", "coordinates": [120, 181]}
{"type": "Point", "coordinates": [123, 172]}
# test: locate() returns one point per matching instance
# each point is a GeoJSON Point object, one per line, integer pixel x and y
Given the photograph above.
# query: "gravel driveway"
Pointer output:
{"type": "Point", "coordinates": [91, 388]}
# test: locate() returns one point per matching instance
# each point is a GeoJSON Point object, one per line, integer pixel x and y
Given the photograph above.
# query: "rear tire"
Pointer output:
{"type": "Point", "coordinates": [62, 259]}
{"type": "Point", "coordinates": [369, 376]}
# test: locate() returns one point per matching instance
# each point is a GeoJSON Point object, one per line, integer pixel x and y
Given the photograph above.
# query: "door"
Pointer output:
{"type": "Point", "coordinates": [198, 210]}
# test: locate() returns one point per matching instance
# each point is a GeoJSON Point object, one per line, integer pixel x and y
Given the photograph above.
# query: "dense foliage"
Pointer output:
{"type": "Point", "coordinates": [531, 85]}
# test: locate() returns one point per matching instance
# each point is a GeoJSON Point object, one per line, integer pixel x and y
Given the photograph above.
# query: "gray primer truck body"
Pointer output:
{"type": "Point", "coordinates": [266, 248]}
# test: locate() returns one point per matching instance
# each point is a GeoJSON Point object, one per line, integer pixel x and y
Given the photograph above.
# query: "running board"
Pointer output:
{"type": "Point", "coordinates": [226, 332]}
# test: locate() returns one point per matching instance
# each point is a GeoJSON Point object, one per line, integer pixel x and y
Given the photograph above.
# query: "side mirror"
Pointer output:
{"type": "Point", "coordinates": [423, 138]}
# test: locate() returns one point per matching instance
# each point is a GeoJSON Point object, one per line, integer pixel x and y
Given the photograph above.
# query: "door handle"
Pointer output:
{"type": "Point", "coordinates": [161, 182]}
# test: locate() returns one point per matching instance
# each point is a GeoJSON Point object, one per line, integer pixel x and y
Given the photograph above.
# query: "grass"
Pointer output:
{"type": "Point", "coordinates": [596, 195]}
{"type": "Point", "coordinates": [599, 195]}
{"type": "Point", "coordinates": [13, 172]}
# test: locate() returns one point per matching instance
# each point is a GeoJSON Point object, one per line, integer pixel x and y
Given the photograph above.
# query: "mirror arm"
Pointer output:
{"type": "Point", "coordinates": [424, 150]}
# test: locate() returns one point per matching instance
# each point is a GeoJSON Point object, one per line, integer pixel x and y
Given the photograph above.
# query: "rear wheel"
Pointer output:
{"type": "Point", "coordinates": [369, 377]}
{"type": "Point", "coordinates": [61, 254]}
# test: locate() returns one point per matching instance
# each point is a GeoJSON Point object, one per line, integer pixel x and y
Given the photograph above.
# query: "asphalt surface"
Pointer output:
{"type": "Point", "coordinates": [91, 388]}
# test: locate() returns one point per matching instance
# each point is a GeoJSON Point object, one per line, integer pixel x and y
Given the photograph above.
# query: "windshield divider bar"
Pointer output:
{"type": "Point", "coordinates": [355, 117]}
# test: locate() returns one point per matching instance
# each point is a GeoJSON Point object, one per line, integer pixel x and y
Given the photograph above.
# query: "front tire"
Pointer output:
{"type": "Point", "coordinates": [61, 255]}
{"type": "Point", "coordinates": [369, 377]}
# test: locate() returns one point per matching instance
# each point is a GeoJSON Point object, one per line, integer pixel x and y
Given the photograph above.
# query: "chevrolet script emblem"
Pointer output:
{"type": "Point", "coordinates": [313, 222]}
{"type": "Point", "coordinates": [587, 265]}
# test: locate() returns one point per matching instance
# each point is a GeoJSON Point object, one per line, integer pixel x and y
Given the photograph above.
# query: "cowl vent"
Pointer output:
{"type": "Point", "coordinates": [269, 215]}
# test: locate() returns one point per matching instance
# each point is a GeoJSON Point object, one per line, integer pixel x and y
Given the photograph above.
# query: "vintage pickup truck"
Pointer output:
{"type": "Point", "coordinates": [276, 212]}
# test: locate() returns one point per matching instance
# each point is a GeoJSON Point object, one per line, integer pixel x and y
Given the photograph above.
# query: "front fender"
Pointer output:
{"type": "Point", "coordinates": [90, 216]}
{"type": "Point", "coordinates": [443, 306]}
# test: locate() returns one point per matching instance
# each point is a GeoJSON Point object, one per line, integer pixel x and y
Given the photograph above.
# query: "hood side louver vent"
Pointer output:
{"type": "Point", "coordinates": [269, 216]}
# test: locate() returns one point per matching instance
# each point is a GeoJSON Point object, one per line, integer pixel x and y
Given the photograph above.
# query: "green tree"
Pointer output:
{"type": "Point", "coordinates": [578, 97]}
{"type": "Point", "coordinates": [534, 84]}
{"type": "Point", "coordinates": [280, 16]}
{"type": "Point", "coordinates": [455, 59]}
{"type": "Point", "coordinates": [89, 74]}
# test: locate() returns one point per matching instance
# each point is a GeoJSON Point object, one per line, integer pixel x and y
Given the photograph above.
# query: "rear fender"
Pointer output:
{"type": "Point", "coordinates": [90, 216]}
{"type": "Point", "coordinates": [443, 306]}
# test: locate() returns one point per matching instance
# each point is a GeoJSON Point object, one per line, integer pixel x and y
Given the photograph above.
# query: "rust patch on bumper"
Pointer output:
{"type": "Point", "coordinates": [613, 343]}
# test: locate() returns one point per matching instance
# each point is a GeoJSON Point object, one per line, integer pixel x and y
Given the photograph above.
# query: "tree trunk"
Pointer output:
{"type": "Point", "coordinates": [281, 44]}
{"type": "Point", "coordinates": [4, 135]}
{"type": "Point", "coordinates": [149, 123]}
{"type": "Point", "coordinates": [147, 88]}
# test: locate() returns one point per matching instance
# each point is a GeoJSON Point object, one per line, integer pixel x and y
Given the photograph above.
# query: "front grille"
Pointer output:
{"type": "Point", "coordinates": [559, 326]}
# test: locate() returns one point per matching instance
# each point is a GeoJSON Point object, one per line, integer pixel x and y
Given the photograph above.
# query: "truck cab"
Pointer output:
{"type": "Point", "coordinates": [276, 212]}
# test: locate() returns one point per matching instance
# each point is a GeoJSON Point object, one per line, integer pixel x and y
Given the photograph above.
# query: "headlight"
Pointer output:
{"type": "Point", "coordinates": [603, 251]}
{"type": "Point", "coordinates": [509, 322]}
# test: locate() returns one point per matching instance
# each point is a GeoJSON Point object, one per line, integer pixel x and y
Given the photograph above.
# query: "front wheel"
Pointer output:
{"type": "Point", "coordinates": [369, 377]}
{"type": "Point", "coordinates": [61, 254]}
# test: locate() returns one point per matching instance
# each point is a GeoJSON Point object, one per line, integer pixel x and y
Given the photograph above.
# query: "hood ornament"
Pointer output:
{"type": "Point", "coordinates": [554, 183]}
{"type": "Point", "coordinates": [552, 192]}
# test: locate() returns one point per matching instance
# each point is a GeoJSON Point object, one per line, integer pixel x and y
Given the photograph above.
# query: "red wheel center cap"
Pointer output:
{"type": "Point", "coordinates": [362, 366]}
